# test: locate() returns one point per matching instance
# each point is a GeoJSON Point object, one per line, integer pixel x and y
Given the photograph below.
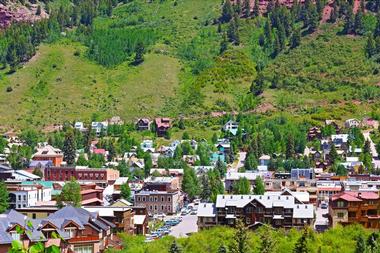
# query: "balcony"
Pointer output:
{"type": "Point", "coordinates": [90, 238]}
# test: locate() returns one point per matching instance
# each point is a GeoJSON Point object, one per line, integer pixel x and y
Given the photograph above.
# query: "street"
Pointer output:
{"type": "Point", "coordinates": [319, 219]}
{"type": "Point", "coordinates": [188, 225]}
{"type": "Point", "coordinates": [367, 136]}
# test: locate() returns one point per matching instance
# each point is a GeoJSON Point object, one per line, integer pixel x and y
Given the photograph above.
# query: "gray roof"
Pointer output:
{"type": "Point", "coordinates": [206, 210]}
{"type": "Point", "coordinates": [59, 219]}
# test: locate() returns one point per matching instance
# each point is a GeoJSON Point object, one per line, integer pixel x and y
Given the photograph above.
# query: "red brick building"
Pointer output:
{"type": "Point", "coordinates": [82, 174]}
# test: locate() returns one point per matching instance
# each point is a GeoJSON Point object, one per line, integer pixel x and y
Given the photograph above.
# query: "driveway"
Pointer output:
{"type": "Point", "coordinates": [188, 225]}
{"type": "Point", "coordinates": [319, 219]}
{"type": "Point", "coordinates": [367, 136]}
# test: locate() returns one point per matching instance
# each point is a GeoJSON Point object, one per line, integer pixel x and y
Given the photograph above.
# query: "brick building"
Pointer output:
{"type": "Point", "coordinates": [82, 174]}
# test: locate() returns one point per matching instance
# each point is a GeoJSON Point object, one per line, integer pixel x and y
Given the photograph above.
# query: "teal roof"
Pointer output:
{"type": "Point", "coordinates": [46, 184]}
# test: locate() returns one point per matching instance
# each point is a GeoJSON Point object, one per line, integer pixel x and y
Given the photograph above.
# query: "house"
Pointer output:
{"type": "Point", "coordinates": [223, 146]}
{"type": "Point", "coordinates": [333, 124]}
{"type": "Point", "coordinates": [280, 211]}
{"type": "Point", "coordinates": [351, 123]}
{"type": "Point", "coordinates": [78, 230]}
{"type": "Point", "coordinates": [314, 133]}
{"type": "Point", "coordinates": [21, 196]}
{"type": "Point", "coordinates": [305, 174]}
{"type": "Point", "coordinates": [350, 207]}
{"type": "Point", "coordinates": [79, 126]}
{"type": "Point", "coordinates": [49, 153]}
{"type": "Point", "coordinates": [162, 126]}
{"type": "Point", "coordinates": [9, 174]}
{"type": "Point", "coordinates": [143, 124]}
{"type": "Point", "coordinates": [99, 127]}
{"type": "Point", "coordinates": [264, 160]}
{"type": "Point", "coordinates": [231, 127]}
{"type": "Point", "coordinates": [147, 146]}
{"type": "Point", "coordinates": [370, 123]}
{"type": "Point", "coordinates": [340, 141]}
{"type": "Point", "coordinates": [115, 120]}
{"type": "Point", "coordinates": [190, 159]}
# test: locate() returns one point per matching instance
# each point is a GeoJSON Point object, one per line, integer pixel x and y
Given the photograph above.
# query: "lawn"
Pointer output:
{"type": "Point", "coordinates": [58, 86]}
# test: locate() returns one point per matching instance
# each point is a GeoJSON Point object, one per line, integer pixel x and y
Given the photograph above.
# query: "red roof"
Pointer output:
{"type": "Point", "coordinates": [162, 122]}
{"type": "Point", "coordinates": [99, 151]}
{"type": "Point", "coordinates": [355, 196]}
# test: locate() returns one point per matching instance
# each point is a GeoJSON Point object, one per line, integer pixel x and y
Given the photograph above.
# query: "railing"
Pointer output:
{"type": "Point", "coordinates": [89, 238]}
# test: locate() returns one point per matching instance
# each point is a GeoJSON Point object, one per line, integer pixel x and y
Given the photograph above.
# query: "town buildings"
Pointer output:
{"type": "Point", "coordinates": [162, 126]}
{"type": "Point", "coordinates": [79, 230]}
{"type": "Point", "coordinates": [102, 176]}
{"type": "Point", "coordinates": [49, 153]}
{"type": "Point", "coordinates": [351, 207]}
{"type": "Point", "coordinates": [283, 211]}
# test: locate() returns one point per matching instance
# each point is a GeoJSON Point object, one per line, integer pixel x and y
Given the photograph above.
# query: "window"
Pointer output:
{"type": "Point", "coordinates": [248, 221]}
{"type": "Point", "coordinates": [83, 249]}
{"type": "Point", "coordinates": [70, 232]}
{"type": "Point", "coordinates": [19, 197]}
{"type": "Point", "coordinates": [340, 204]}
{"type": "Point", "coordinates": [340, 215]}
{"type": "Point", "coordinates": [15, 236]}
{"type": "Point", "coordinates": [168, 198]}
{"type": "Point", "coordinates": [34, 216]}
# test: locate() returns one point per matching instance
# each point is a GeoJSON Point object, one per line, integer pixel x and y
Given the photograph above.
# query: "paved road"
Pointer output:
{"type": "Point", "coordinates": [319, 219]}
{"type": "Point", "coordinates": [240, 162]}
{"type": "Point", "coordinates": [188, 225]}
{"type": "Point", "coordinates": [373, 147]}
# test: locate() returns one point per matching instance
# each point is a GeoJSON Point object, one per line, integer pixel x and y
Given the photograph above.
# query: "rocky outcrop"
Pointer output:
{"type": "Point", "coordinates": [14, 12]}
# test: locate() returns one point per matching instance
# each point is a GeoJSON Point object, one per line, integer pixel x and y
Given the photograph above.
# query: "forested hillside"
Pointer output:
{"type": "Point", "coordinates": [187, 57]}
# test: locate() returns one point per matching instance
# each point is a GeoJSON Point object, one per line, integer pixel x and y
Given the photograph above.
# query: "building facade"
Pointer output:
{"type": "Point", "coordinates": [351, 207]}
{"type": "Point", "coordinates": [280, 211]}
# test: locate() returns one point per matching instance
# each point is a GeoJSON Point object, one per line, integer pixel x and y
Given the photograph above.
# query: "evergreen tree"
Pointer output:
{"type": "Point", "coordinates": [333, 154]}
{"type": "Point", "coordinates": [268, 33]}
{"type": "Point", "coordinates": [333, 13]}
{"type": "Point", "coordinates": [233, 32]}
{"type": "Point", "coordinates": [241, 186]}
{"type": "Point", "coordinates": [206, 191]}
{"type": "Point", "coordinates": [240, 240]}
{"type": "Point", "coordinates": [281, 36]}
{"type": "Point", "coordinates": [69, 148]}
{"type": "Point", "coordinates": [259, 186]}
{"type": "Point", "coordinates": [359, 25]}
{"type": "Point", "coordinates": [257, 86]}
{"type": "Point", "coordinates": [376, 33]}
{"type": "Point", "coordinates": [247, 8]}
{"type": "Point", "coordinates": [341, 170]}
{"type": "Point", "coordinates": [290, 150]}
{"type": "Point", "coordinates": [295, 40]}
{"type": "Point", "coordinates": [223, 44]}
{"type": "Point", "coordinates": [313, 19]}
{"type": "Point", "coordinates": [276, 47]}
{"type": "Point", "coordinates": [320, 6]}
{"type": "Point", "coordinates": [227, 12]}
{"type": "Point", "coordinates": [250, 162]}
{"type": "Point", "coordinates": [301, 245]}
{"type": "Point", "coordinates": [70, 194]}
{"type": "Point", "coordinates": [238, 7]}
{"type": "Point", "coordinates": [256, 9]}
{"type": "Point", "coordinates": [148, 164]}
{"type": "Point", "coordinates": [125, 191]}
{"type": "Point", "coordinates": [175, 248]}
{"type": "Point", "coordinates": [139, 53]}
{"type": "Point", "coordinates": [190, 183]}
{"type": "Point", "coordinates": [367, 147]}
{"type": "Point", "coordinates": [4, 197]}
{"type": "Point", "coordinates": [370, 48]}
{"type": "Point", "coordinates": [360, 244]}
{"type": "Point", "coordinates": [268, 244]}
{"type": "Point", "coordinates": [349, 23]}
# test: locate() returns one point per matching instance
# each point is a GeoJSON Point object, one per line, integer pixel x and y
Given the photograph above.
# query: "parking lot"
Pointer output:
{"type": "Point", "coordinates": [187, 226]}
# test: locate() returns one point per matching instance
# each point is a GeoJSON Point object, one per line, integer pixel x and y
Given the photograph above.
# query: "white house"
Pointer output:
{"type": "Point", "coordinates": [350, 123]}
{"type": "Point", "coordinates": [231, 126]}
{"type": "Point", "coordinates": [98, 127]}
{"type": "Point", "coordinates": [22, 196]}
